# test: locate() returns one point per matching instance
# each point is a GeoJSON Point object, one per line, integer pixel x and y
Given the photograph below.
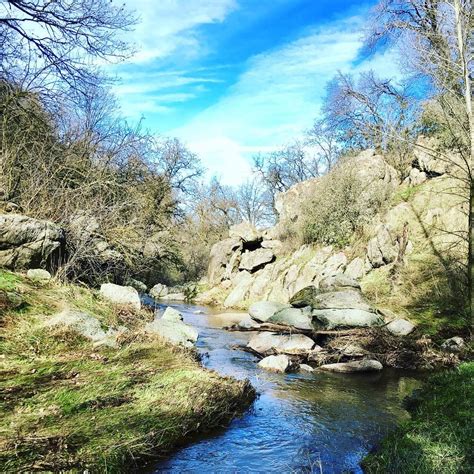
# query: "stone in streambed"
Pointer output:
{"type": "Point", "coordinates": [292, 344]}
{"type": "Point", "coordinates": [306, 368]}
{"type": "Point", "coordinates": [279, 363]}
{"type": "Point", "coordinates": [296, 317]}
{"type": "Point", "coordinates": [172, 314]}
{"type": "Point", "coordinates": [175, 332]}
{"type": "Point", "coordinates": [336, 318]}
{"type": "Point", "coordinates": [400, 327]}
{"type": "Point", "coordinates": [354, 366]}
{"type": "Point", "coordinates": [264, 310]}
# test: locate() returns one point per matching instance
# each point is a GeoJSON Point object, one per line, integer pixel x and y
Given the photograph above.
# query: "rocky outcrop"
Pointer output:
{"type": "Point", "coordinates": [245, 232]}
{"type": "Point", "coordinates": [383, 248]}
{"type": "Point", "coordinates": [30, 243]}
{"type": "Point", "coordinates": [221, 253]}
{"type": "Point", "coordinates": [117, 294]}
{"type": "Point", "coordinates": [252, 261]}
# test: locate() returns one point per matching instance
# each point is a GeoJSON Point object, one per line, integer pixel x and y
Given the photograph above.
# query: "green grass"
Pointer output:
{"type": "Point", "coordinates": [69, 406]}
{"type": "Point", "coordinates": [438, 439]}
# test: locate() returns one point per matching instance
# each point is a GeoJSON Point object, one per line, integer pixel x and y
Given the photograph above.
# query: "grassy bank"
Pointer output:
{"type": "Point", "coordinates": [438, 438]}
{"type": "Point", "coordinates": [67, 405]}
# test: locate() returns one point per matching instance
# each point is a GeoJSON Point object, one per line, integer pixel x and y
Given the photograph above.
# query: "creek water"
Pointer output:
{"type": "Point", "coordinates": [301, 422]}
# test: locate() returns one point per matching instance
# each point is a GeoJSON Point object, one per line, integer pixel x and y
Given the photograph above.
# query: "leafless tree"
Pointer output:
{"type": "Point", "coordinates": [439, 36]}
{"type": "Point", "coordinates": [254, 202]}
{"type": "Point", "coordinates": [43, 41]}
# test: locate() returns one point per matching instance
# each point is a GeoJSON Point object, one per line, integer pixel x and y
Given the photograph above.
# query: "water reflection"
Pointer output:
{"type": "Point", "coordinates": [317, 422]}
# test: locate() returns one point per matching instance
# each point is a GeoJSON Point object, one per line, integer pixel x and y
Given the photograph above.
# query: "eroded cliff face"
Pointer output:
{"type": "Point", "coordinates": [421, 219]}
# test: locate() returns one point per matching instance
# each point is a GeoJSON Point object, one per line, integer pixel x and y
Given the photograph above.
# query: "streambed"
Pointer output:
{"type": "Point", "coordinates": [302, 422]}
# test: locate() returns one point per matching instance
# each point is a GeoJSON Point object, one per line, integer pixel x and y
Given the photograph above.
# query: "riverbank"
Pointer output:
{"type": "Point", "coordinates": [69, 404]}
{"type": "Point", "coordinates": [439, 436]}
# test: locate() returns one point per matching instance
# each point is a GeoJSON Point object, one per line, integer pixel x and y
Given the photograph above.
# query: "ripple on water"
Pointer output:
{"type": "Point", "coordinates": [317, 422]}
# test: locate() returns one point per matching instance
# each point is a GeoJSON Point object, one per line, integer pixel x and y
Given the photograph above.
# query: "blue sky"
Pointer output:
{"type": "Point", "coordinates": [232, 78]}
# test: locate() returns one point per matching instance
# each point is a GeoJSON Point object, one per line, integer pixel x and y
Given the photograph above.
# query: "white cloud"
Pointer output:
{"type": "Point", "coordinates": [168, 26]}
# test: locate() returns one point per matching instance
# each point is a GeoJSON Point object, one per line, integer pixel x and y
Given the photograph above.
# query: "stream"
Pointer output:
{"type": "Point", "coordinates": [301, 422]}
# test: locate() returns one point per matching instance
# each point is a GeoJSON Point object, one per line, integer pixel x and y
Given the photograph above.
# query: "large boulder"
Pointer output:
{"type": "Point", "coordinates": [237, 296]}
{"type": "Point", "coordinates": [117, 294]}
{"type": "Point", "coordinates": [252, 261]}
{"type": "Point", "coordinates": [264, 310]}
{"type": "Point", "coordinates": [175, 332]}
{"type": "Point", "coordinates": [354, 366]}
{"type": "Point", "coordinates": [400, 327]}
{"type": "Point", "coordinates": [29, 243]}
{"type": "Point", "coordinates": [338, 281]}
{"type": "Point", "coordinates": [219, 257]}
{"type": "Point", "coordinates": [245, 231]}
{"type": "Point", "coordinates": [172, 314]}
{"type": "Point", "coordinates": [304, 297]}
{"type": "Point", "coordinates": [279, 363]}
{"type": "Point", "coordinates": [336, 318]}
{"type": "Point", "coordinates": [295, 317]}
{"type": "Point", "coordinates": [265, 342]}
{"type": "Point", "coordinates": [342, 299]}
{"type": "Point", "coordinates": [356, 269]}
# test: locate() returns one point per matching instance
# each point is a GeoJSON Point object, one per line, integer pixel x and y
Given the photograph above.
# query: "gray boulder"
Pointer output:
{"type": "Point", "coordinates": [293, 344]}
{"type": "Point", "coordinates": [304, 297]}
{"type": "Point", "coordinates": [264, 310]}
{"type": "Point", "coordinates": [279, 363]}
{"type": "Point", "coordinates": [117, 294]}
{"type": "Point", "coordinates": [38, 274]}
{"type": "Point", "coordinates": [453, 344]}
{"type": "Point", "coordinates": [248, 323]}
{"type": "Point", "coordinates": [179, 296]}
{"type": "Point", "coordinates": [306, 368]}
{"type": "Point", "coordinates": [296, 317]}
{"type": "Point", "coordinates": [138, 285]}
{"type": "Point", "coordinates": [342, 299]}
{"type": "Point", "coordinates": [354, 366]}
{"type": "Point", "coordinates": [175, 332]}
{"type": "Point", "coordinates": [29, 243]}
{"type": "Point", "coordinates": [336, 318]}
{"type": "Point", "coordinates": [159, 291]}
{"type": "Point", "coordinates": [252, 261]}
{"type": "Point", "coordinates": [400, 327]}
{"type": "Point", "coordinates": [245, 231]}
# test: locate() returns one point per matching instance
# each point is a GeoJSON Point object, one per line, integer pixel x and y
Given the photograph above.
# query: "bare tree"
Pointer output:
{"type": "Point", "coordinates": [254, 202]}
{"type": "Point", "coordinates": [42, 41]}
{"type": "Point", "coordinates": [440, 38]}
{"type": "Point", "coordinates": [324, 136]}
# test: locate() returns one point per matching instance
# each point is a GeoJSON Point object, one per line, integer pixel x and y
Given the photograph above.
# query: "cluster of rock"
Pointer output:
{"type": "Point", "coordinates": [338, 304]}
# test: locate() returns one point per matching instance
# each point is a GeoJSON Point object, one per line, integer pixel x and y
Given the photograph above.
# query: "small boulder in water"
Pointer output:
{"type": "Point", "coordinates": [279, 363]}
{"type": "Point", "coordinates": [172, 314]}
{"type": "Point", "coordinates": [306, 368]}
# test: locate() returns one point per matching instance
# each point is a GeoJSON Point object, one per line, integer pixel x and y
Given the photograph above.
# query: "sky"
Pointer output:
{"type": "Point", "coordinates": [233, 78]}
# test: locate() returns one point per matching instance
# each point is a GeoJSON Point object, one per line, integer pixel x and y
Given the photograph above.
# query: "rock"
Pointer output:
{"type": "Point", "coordinates": [338, 281]}
{"type": "Point", "coordinates": [242, 285]}
{"type": "Point", "coordinates": [172, 314]}
{"type": "Point", "coordinates": [247, 323]}
{"type": "Point", "coordinates": [342, 299]}
{"type": "Point", "coordinates": [352, 350]}
{"type": "Point", "coordinates": [174, 297]}
{"type": "Point", "coordinates": [335, 264]}
{"type": "Point", "coordinates": [159, 291]}
{"type": "Point", "coordinates": [356, 269]}
{"type": "Point", "coordinates": [454, 344]}
{"type": "Point", "coordinates": [219, 257]}
{"type": "Point", "coordinates": [279, 363]}
{"type": "Point", "coordinates": [306, 368]}
{"type": "Point", "coordinates": [138, 285]}
{"type": "Point", "coordinates": [400, 327]}
{"type": "Point", "coordinates": [272, 244]}
{"type": "Point", "coordinates": [336, 318]}
{"type": "Point", "coordinates": [354, 366]}
{"type": "Point", "coordinates": [293, 344]}
{"type": "Point", "coordinates": [245, 231]}
{"type": "Point", "coordinates": [29, 243]}
{"type": "Point", "coordinates": [87, 326]}
{"type": "Point", "coordinates": [382, 249]}
{"type": "Point", "coordinates": [425, 160]}
{"type": "Point", "coordinates": [255, 260]}
{"type": "Point", "coordinates": [38, 274]}
{"type": "Point", "coordinates": [264, 310]}
{"type": "Point", "coordinates": [416, 177]}
{"type": "Point", "coordinates": [121, 295]}
{"type": "Point", "coordinates": [296, 317]}
{"type": "Point", "coordinates": [175, 332]}
{"type": "Point", "coordinates": [304, 297]}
